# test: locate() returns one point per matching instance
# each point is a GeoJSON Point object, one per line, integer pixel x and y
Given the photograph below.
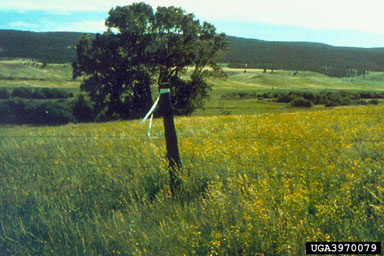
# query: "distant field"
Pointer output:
{"type": "Point", "coordinates": [256, 80]}
{"type": "Point", "coordinates": [29, 73]}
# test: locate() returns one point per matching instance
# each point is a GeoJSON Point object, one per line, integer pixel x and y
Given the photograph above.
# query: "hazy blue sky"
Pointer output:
{"type": "Point", "coordinates": [335, 22]}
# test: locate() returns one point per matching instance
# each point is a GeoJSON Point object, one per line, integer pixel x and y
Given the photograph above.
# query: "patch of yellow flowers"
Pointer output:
{"type": "Point", "coordinates": [274, 181]}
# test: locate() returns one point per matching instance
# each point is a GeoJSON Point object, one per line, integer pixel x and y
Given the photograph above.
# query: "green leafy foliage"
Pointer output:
{"type": "Point", "coordinates": [39, 112]}
{"type": "Point", "coordinates": [22, 92]}
{"type": "Point", "coordinates": [40, 93]}
{"type": "Point", "coordinates": [308, 99]}
{"type": "Point", "coordinates": [83, 110]}
{"type": "Point", "coordinates": [4, 94]}
{"type": "Point", "coordinates": [301, 102]}
{"type": "Point", "coordinates": [39, 106]}
{"type": "Point", "coordinates": [142, 48]}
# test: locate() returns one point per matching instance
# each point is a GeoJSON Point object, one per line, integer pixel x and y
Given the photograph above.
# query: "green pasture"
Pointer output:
{"type": "Point", "coordinates": [30, 73]}
{"type": "Point", "coordinates": [252, 184]}
{"type": "Point", "coordinates": [256, 80]}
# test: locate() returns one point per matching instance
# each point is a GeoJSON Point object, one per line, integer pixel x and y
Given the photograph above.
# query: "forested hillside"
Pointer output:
{"type": "Point", "coordinates": [322, 58]}
{"type": "Point", "coordinates": [51, 47]}
{"type": "Point", "coordinates": [59, 47]}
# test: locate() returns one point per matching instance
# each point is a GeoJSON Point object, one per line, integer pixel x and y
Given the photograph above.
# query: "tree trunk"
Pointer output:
{"type": "Point", "coordinates": [171, 141]}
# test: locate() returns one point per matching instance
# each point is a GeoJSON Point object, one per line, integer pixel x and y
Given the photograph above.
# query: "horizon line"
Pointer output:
{"type": "Point", "coordinates": [228, 35]}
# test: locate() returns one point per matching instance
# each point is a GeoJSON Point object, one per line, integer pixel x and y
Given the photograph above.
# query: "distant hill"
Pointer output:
{"type": "Point", "coordinates": [59, 47]}
{"type": "Point", "coordinates": [326, 59]}
{"type": "Point", "coordinates": [51, 47]}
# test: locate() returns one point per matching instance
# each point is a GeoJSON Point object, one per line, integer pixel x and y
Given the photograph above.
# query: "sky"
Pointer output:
{"type": "Point", "coordinates": [353, 23]}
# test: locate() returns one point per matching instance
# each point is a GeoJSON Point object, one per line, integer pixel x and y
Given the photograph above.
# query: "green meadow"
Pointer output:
{"type": "Point", "coordinates": [258, 177]}
{"type": "Point", "coordinates": [31, 73]}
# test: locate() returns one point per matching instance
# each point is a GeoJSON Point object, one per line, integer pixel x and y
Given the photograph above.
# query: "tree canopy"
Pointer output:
{"type": "Point", "coordinates": [142, 48]}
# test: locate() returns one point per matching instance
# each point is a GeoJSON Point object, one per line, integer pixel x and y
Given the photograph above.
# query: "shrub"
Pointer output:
{"type": "Point", "coordinates": [378, 95]}
{"type": "Point", "coordinates": [268, 95]}
{"type": "Point", "coordinates": [366, 95]}
{"type": "Point", "coordinates": [57, 112]}
{"type": "Point", "coordinates": [54, 93]}
{"type": "Point", "coordinates": [309, 96]}
{"type": "Point", "coordinates": [301, 102]}
{"type": "Point", "coordinates": [320, 98]}
{"type": "Point", "coordinates": [285, 98]}
{"type": "Point", "coordinates": [337, 99]}
{"type": "Point", "coordinates": [296, 94]}
{"type": "Point", "coordinates": [4, 112]}
{"type": "Point", "coordinates": [38, 94]}
{"type": "Point", "coordinates": [242, 94]}
{"type": "Point", "coordinates": [21, 111]}
{"type": "Point", "coordinates": [373, 102]}
{"type": "Point", "coordinates": [83, 110]}
{"type": "Point", "coordinates": [253, 95]}
{"type": "Point", "coordinates": [22, 92]}
{"type": "Point", "coordinates": [61, 94]}
{"type": "Point", "coordinates": [4, 94]}
{"type": "Point", "coordinates": [329, 103]}
{"type": "Point", "coordinates": [228, 96]}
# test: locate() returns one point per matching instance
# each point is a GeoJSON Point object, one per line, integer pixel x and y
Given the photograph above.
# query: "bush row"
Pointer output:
{"type": "Point", "coordinates": [39, 112]}
{"type": "Point", "coordinates": [52, 111]}
{"type": "Point", "coordinates": [45, 112]}
{"type": "Point", "coordinates": [57, 111]}
{"type": "Point", "coordinates": [329, 99]}
{"type": "Point", "coordinates": [308, 99]}
{"type": "Point", "coordinates": [36, 93]}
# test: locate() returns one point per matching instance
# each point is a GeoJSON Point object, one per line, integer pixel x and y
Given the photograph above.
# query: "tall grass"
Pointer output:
{"type": "Point", "coordinates": [252, 184]}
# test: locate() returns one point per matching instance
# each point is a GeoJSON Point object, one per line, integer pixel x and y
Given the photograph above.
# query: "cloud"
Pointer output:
{"type": "Point", "coordinates": [87, 26]}
{"type": "Point", "coordinates": [60, 5]}
{"type": "Point", "coordinates": [23, 25]}
{"type": "Point", "coordinates": [325, 14]}
{"type": "Point", "coordinates": [40, 21]}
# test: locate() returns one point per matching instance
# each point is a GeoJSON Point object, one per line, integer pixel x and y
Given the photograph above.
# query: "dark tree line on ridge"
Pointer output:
{"type": "Point", "coordinates": [50, 47]}
{"type": "Point", "coordinates": [329, 60]}
{"type": "Point", "coordinates": [59, 47]}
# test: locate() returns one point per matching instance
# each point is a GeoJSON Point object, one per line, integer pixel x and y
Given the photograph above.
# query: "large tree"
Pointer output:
{"type": "Point", "coordinates": [142, 48]}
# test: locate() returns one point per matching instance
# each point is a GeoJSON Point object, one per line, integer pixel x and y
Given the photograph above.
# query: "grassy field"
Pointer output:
{"type": "Point", "coordinates": [29, 73]}
{"type": "Point", "coordinates": [265, 180]}
{"type": "Point", "coordinates": [256, 79]}
{"type": "Point", "coordinates": [252, 184]}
